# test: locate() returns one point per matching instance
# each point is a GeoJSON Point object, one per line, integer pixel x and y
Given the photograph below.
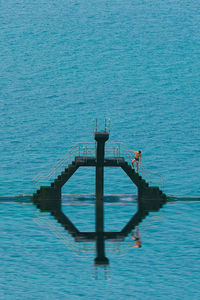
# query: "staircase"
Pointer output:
{"type": "Point", "coordinates": [48, 198]}
{"type": "Point", "coordinates": [52, 193]}
{"type": "Point", "coordinates": [65, 176]}
{"type": "Point", "coordinates": [149, 198]}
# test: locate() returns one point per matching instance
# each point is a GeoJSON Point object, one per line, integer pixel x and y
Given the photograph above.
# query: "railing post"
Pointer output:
{"type": "Point", "coordinates": [96, 126]}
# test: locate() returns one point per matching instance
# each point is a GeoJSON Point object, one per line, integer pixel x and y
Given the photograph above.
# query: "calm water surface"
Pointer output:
{"type": "Point", "coordinates": [62, 65]}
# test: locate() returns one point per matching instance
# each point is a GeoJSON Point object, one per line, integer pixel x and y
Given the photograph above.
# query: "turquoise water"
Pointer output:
{"type": "Point", "coordinates": [62, 65]}
{"type": "Point", "coordinates": [36, 263]}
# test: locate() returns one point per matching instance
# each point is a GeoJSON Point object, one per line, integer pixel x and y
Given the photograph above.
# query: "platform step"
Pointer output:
{"type": "Point", "coordinates": [65, 172]}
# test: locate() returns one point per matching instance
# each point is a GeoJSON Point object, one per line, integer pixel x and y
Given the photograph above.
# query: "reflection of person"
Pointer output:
{"type": "Point", "coordinates": [136, 238]}
{"type": "Point", "coordinates": [137, 159]}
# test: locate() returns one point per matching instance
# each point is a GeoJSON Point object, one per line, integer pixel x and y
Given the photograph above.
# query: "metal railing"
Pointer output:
{"type": "Point", "coordinates": [106, 125]}
{"type": "Point", "coordinates": [152, 177]}
{"type": "Point", "coordinates": [79, 149]}
{"type": "Point", "coordinates": [115, 150]}
{"type": "Point", "coordinates": [120, 150]}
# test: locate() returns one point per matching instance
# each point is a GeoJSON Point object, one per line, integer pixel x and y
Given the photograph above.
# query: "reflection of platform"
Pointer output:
{"type": "Point", "coordinates": [91, 236]}
{"type": "Point", "coordinates": [48, 198]}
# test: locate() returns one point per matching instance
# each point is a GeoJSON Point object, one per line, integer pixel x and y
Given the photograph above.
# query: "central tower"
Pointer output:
{"type": "Point", "coordinates": [101, 138]}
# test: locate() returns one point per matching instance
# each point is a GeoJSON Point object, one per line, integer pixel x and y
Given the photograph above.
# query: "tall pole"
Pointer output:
{"type": "Point", "coordinates": [101, 138]}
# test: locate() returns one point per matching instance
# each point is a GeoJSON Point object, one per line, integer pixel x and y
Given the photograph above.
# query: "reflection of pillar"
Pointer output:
{"type": "Point", "coordinates": [101, 138]}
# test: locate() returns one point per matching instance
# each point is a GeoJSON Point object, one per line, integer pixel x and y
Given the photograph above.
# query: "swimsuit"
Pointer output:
{"type": "Point", "coordinates": [137, 159]}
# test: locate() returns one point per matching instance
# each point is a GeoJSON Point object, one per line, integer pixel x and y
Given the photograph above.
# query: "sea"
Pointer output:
{"type": "Point", "coordinates": [67, 69]}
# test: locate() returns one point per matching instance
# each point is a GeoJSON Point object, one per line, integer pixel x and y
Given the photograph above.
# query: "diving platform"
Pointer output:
{"type": "Point", "coordinates": [91, 161]}
{"type": "Point", "coordinates": [48, 198]}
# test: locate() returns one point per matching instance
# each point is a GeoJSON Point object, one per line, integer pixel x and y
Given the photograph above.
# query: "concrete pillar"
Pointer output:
{"type": "Point", "coordinates": [101, 138]}
{"type": "Point", "coordinates": [50, 198]}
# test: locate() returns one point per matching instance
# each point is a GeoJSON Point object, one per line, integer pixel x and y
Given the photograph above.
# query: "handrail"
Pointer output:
{"type": "Point", "coordinates": [114, 149]}
{"type": "Point", "coordinates": [77, 149]}
{"type": "Point", "coordinates": [153, 177]}
{"type": "Point", "coordinates": [150, 177]}
{"type": "Point", "coordinates": [43, 172]}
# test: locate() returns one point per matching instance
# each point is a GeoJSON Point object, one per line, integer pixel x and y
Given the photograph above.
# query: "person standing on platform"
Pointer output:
{"type": "Point", "coordinates": [137, 159]}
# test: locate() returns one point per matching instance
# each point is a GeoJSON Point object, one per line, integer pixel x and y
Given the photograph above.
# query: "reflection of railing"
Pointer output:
{"type": "Point", "coordinates": [77, 248]}
{"type": "Point", "coordinates": [114, 150]}
{"type": "Point", "coordinates": [83, 248]}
